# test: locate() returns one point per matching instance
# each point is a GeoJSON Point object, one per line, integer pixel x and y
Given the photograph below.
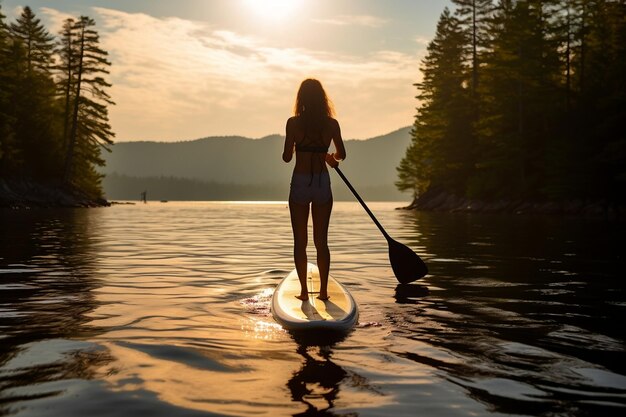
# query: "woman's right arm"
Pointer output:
{"type": "Point", "coordinates": [290, 141]}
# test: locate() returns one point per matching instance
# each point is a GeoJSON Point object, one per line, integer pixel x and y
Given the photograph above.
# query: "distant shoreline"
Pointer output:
{"type": "Point", "coordinates": [27, 194]}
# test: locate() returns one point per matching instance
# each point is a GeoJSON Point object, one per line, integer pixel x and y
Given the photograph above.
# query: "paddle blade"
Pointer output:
{"type": "Point", "coordinates": [407, 265]}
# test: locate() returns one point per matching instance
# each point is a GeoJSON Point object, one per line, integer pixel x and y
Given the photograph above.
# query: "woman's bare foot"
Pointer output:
{"type": "Point", "coordinates": [302, 297]}
{"type": "Point", "coordinates": [323, 297]}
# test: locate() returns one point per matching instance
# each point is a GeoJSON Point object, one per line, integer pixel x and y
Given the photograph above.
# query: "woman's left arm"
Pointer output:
{"type": "Point", "coordinates": [289, 141]}
{"type": "Point", "coordinates": [340, 149]}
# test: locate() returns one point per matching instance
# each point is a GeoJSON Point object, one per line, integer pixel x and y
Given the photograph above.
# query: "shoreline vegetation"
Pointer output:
{"type": "Point", "coordinates": [442, 201]}
{"type": "Point", "coordinates": [28, 194]}
{"type": "Point", "coordinates": [521, 109]}
{"type": "Point", "coordinates": [54, 120]}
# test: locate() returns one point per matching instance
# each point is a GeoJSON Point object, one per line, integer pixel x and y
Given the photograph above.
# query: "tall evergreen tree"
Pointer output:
{"type": "Point", "coordinates": [474, 17]}
{"type": "Point", "coordinates": [89, 129]}
{"type": "Point", "coordinates": [67, 67]}
{"type": "Point", "coordinates": [36, 41]}
{"type": "Point", "coordinates": [32, 95]}
{"type": "Point", "coordinates": [566, 175]}
{"type": "Point", "coordinates": [566, 29]}
{"type": "Point", "coordinates": [6, 146]}
{"type": "Point", "coordinates": [589, 159]}
{"type": "Point", "coordinates": [603, 96]}
{"type": "Point", "coordinates": [410, 176]}
{"type": "Point", "coordinates": [3, 26]}
{"type": "Point", "coordinates": [440, 154]}
{"type": "Point", "coordinates": [520, 72]}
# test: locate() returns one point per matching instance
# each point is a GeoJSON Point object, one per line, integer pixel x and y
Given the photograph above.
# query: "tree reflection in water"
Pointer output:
{"type": "Point", "coordinates": [48, 279]}
{"type": "Point", "coordinates": [519, 309]}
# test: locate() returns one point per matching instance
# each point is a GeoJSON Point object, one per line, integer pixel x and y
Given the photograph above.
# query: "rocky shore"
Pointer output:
{"type": "Point", "coordinates": [437, 200]}
{"type": "Point", "coordinates": [25, 194]}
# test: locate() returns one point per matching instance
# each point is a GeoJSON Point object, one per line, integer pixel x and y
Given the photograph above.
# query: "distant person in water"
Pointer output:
{"type": "Point", "coordinates": [309, 134]}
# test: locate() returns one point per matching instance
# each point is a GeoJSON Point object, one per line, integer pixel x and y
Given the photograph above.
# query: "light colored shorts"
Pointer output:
{"type": "Point", "coordinates": [306, 189]}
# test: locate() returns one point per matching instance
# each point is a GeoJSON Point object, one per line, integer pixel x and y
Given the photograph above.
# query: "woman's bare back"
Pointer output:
{"type": "Point", "coordinates": [322, 138]}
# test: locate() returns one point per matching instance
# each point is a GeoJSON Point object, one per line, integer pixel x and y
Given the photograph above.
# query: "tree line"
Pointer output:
{"type": "Point", "coordinates": [522, 99]}
{"type": "Point", "coordinates": [53, 102]}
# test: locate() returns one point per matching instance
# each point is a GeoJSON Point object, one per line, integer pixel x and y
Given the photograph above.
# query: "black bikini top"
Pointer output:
{"type": "Point", "coordinates": [311, 146]}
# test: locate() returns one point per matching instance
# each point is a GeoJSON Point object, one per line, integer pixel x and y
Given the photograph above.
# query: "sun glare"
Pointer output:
{"type": "Point", "coordinates": [272, 9]}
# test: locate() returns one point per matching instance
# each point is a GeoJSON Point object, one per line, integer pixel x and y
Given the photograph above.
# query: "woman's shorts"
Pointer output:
{"type": "Point", "coordinates": [307, 188]}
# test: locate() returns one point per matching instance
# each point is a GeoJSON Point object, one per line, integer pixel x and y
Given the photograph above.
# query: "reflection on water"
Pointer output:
{"type": "Point", "coordinates": [46, 292]}
{"type": "Point", "coordinates": [528, 308]}
{"type": "Point", "coordinates": [163, 309]}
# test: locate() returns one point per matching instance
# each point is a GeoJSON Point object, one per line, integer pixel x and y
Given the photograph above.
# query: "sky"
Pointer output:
{"type": "Point", "coordinates": [188, 69]}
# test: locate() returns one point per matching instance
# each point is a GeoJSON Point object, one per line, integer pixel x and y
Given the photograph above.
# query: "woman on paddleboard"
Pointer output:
{"type": "Point", "coordinates": [309, 134]}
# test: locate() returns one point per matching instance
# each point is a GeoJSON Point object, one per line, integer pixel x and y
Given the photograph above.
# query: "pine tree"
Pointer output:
{"type": "Point", "coordinates": [89, 128]}
{"type": "Point", "coordinates": [588, 160]}
{"type": "Point", "coordinates": [440, 154]}
{"type": "Point", "coordinates": [566, 28]}
{"type": "Point", "coordinates": [474, 16]}
{"type": "Point", "coordinates": [519, 93]}
{"type": "Point", "coordinates": [37, 42]}
{"type": "Point", "coordinates": [7, 147]}
{"type": "Point", "coordinates": [409, 178]}
{"type": "Point", "coordinates": [603, 96]}
{"type": "Point", "coordinates": [32, 96]}
{"type": "Point", "coordinates": [67, 67]}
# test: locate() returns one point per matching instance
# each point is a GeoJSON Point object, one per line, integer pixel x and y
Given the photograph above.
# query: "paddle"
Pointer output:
{"type": "Point", "coordinates": [407, 265]}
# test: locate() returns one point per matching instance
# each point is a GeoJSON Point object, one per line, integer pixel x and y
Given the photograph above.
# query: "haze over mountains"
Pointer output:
{"type": "Point", "coordinates": [238, 168]}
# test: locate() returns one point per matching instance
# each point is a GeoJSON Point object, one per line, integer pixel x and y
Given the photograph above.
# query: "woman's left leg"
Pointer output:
{"type": "Point", "coordinates": [299, 223]}
{"type": "Point", "coordinates": [321, 220]}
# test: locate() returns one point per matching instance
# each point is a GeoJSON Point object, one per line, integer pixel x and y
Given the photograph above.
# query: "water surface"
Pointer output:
{"type": "Point", "coordinates": [163, 310]}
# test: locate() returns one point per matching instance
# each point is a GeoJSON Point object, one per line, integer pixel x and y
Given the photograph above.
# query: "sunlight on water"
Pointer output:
{"type": "Point", "coordinates": [164, 309]}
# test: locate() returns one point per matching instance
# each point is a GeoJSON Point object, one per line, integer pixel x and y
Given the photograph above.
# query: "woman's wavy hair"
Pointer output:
{"type": "Point", "coordinates": [312, 104]}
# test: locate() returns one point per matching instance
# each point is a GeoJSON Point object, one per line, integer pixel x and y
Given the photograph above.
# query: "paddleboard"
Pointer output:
{"type": "Point", "coordinates": [339, 313]}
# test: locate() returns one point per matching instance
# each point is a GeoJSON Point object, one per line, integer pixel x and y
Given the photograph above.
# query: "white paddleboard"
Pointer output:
{"type": "Point", "coordinates": [340, 312]}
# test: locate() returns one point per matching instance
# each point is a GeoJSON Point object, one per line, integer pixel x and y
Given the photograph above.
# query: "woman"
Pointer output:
{"type": "Point", "coordinates": [309, 134]}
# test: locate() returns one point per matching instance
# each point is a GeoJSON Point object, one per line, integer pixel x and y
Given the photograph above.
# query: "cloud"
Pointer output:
{"type": "Point", "coordinates": [15, 12]}
{"type": "Point", "coordinates": [177, 79]}
{"type": "Point", "coordinates": [54, 18]}
{"type": "Point", "coordinates": [422, 40]}
{"type": "Point", "coordinates": [353, 20]}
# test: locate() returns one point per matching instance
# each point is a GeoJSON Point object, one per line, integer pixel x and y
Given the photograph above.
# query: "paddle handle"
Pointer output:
{"type": "Point", "coordinates": [358, 197]}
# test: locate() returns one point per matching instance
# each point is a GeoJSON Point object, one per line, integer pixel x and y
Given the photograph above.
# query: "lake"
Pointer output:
{"type": "Point", "coordinates": [162, 309]}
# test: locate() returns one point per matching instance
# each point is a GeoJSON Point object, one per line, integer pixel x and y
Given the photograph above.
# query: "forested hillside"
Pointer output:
{"type": "Point", "coordinates": [241, 168]}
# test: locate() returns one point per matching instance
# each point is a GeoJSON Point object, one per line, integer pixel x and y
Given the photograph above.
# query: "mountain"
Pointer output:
{"type": "Point", "coordinates": [242, 168]}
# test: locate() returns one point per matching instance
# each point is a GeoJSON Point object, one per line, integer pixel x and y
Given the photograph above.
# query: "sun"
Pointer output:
{"type": "Point", "coordinates": [273, 9]}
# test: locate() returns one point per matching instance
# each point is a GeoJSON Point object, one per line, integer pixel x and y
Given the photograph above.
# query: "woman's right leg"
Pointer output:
{"type": "Point", "coordinates": [321, 219]}
{"type": "Point", "coordinates": [299, 223]}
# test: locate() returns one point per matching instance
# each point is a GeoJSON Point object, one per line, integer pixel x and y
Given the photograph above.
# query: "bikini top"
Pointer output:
{"type": "Point", "coordinates": [313, 149]}
{"type": "Point", "coordinates": [310, 146]}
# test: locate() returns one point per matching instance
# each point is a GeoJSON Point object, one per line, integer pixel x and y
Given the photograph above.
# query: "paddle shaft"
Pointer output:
{"type": "Point", "coordinates": [358, 197]}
